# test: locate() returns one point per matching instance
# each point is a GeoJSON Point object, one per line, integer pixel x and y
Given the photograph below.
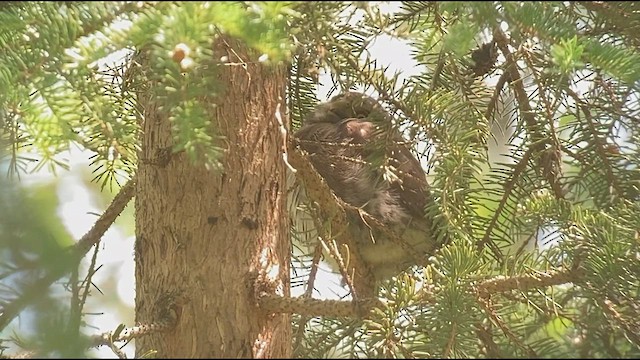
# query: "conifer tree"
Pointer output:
{"type": "Point", "coordinates": [524, 115]}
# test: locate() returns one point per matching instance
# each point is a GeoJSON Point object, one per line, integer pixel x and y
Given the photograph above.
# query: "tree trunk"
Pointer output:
{"type": "Point", "coordinates": [206, 234]}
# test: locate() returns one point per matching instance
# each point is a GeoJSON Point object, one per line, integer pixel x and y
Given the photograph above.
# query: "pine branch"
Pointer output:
{"type": "Point", "coordinates": [523, 283]}
{"type": "Point", "coordinates": [537, 138]}
{"type": "Point", "coordinates": [616, 20]}
{"type": "Point", "coordinates": [550, 158]}
{"type": "Point", "coordinates": [509, 186]}
{"type": "Point", "coordinates": [272, 303]}
{"type": "Point", "coordinates": [598, 142]}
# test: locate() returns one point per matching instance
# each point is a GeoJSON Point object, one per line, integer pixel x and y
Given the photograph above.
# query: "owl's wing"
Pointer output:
{"type": "Point", "coordinates": [409, 183]}
{"type": "Point", "coordinates": [410, 187]}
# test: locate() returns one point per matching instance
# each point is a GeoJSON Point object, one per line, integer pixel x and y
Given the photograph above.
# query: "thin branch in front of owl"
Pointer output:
{"type": "Point", "coordinates": [308, 292]}
{"type": "Point", "coordinates": [330, 245]}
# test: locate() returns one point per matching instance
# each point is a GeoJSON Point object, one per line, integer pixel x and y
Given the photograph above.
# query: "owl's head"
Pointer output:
{"type": "Point", "coordinates": [347, 105]}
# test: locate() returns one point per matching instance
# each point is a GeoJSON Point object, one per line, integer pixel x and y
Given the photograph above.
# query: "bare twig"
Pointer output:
{"type": "Point", "coordinates": [88, 281]}
{"type": "Point", "coordinates": [486, 338]}
{"type": "Point", "coordinates": [317, 255]}
{"type": "Point", "coordinates": [488, 114]}
{"type": "Point", "coordinates": [77, 302]}
{"type": "Point", "coordinates": [127, 334]}
{"type": "Point", "coordinates": [35, 290]}
{"type": "Point", "coordinates": [342, 265]}
{"type": "Point", "coordinates": [630, 330]}
{"type": "Point", "coordinates": [326, 241]}
{"type": "Point", "coordinates": [166, 310]}
{"type": "Point", "coordinates": [313, 307]}
{"type": "Point", "coordinates": [446, 352]}
{"type": "Point", "coordinates": [308, 292]}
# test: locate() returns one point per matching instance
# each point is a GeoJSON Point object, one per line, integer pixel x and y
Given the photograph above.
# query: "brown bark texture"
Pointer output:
{"type": "Point", "coordinates": [206, 235]}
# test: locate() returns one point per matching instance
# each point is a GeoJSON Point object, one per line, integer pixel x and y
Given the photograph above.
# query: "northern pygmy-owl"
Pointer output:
{"type": "Point", "coordinates": [367, 163]}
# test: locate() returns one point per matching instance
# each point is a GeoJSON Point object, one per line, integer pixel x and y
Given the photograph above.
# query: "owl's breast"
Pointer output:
{"type": "Point", "coordinates": [386, 257]}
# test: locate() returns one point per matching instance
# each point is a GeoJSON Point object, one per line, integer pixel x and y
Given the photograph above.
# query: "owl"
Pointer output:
{"type": "Point", "coordinates": [367, 163]}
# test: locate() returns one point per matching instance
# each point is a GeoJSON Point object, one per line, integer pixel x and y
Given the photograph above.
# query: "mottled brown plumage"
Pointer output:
{"type": "Point", "coordinates": [347, 139]}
